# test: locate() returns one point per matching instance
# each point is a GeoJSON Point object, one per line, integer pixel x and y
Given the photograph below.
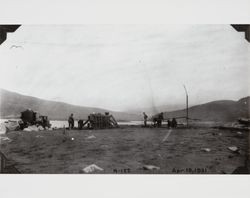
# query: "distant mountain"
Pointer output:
{"type": "Point", "coordinates": [222, 110]}
{"type": "Point", "coordinates": [11, 104]}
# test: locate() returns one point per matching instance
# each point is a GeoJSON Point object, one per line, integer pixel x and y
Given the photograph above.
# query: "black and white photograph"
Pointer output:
{"type": "Point", "coordinates": [125, 99]}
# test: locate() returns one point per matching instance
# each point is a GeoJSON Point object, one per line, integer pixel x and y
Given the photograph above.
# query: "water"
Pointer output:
{"type": "Point", "coordinates": [62, 123]}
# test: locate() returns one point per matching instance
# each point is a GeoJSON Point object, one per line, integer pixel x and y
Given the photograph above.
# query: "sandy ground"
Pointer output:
{"type": "Point", "coordinates": [127, 150]}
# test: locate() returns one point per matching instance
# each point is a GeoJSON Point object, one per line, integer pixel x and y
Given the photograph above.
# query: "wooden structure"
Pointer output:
{"type": "Point", "coordinates": [99, 121]}
{"type": "Point", "coordinates": [186, 104]}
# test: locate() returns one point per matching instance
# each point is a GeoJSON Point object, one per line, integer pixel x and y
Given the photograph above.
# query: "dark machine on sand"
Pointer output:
{"type": "Point", "coordinates": [30, 117]}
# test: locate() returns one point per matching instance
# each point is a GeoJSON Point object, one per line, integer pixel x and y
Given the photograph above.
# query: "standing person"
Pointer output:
{"type": "Point", "coordinates": [169, 124]}
{"type": "Point", "coordinates": [71, 121]}
{"type": "Point", "coordinates": [174, 123]}
{"type": "Point", "coordinates": [155, 121]}
{"type": "Point", "coordinates": [80, 124]}
{"type": "Point", "coordinates": [145, 117]}
{"type": "Point", "coordinates": [160, 119]}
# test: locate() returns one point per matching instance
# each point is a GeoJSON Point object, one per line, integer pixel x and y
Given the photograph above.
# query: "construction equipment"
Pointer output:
{"type": "Point", "coordinates": [30, 117]}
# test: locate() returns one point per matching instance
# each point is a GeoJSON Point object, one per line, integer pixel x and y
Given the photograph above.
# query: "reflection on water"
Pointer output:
{"type": "Point", "coordinates": [62, 123]}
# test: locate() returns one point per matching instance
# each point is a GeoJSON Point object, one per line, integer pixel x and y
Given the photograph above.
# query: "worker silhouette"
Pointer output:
{"type": "Point", "coordinates": [145, 118]}
{"type": "Point", "coordinates": [71, 121]}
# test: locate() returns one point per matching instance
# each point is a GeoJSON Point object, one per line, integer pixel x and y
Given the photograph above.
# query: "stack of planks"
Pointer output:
{"type": "Point", "coordinates": [100, 121]}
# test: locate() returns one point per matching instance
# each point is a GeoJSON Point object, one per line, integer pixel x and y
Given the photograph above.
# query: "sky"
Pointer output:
{"type": "Point", "coordinates": [126, 67]}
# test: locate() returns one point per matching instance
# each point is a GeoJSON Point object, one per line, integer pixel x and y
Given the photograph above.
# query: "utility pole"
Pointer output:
{"type": "Point", "coordinates": [186, 104]}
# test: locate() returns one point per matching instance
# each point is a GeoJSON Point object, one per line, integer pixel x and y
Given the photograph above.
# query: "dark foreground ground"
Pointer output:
{"type": "Point", "coordinates": [127, 150]}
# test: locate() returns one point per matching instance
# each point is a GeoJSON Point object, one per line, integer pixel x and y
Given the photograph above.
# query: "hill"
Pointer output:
{"type": "Point", "coordinates": [11, 104]}
{"type": "Point", "coordinates": [222, 110]}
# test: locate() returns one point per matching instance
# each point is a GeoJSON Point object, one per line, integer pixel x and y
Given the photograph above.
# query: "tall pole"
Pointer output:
{"type": "Point", "coordinates": [186, 104]}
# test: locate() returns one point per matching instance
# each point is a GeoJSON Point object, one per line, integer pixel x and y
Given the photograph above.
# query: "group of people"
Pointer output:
{"type": "Point", "coordinates": [157, 121]}
{"type": "Point", "coordinates": [172, 124]}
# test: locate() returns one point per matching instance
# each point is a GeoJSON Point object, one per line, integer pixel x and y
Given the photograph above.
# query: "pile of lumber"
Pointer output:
{"type": "Point", "coordinates": [99, 121]}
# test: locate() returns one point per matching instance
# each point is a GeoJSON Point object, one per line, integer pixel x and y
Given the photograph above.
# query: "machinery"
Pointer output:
{"type": "Point", "coordinates": [30, 117]}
